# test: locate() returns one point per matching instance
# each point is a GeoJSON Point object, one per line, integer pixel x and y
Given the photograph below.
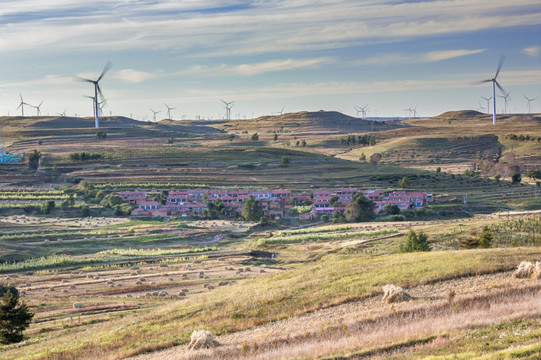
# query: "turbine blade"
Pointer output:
{"type": "Point", "coordinates": [500, 87]}
{"type": "Point", "coordinates": [80, 79]}
{"type": "Point", "coordinates": [105, 70]}
{"type": "Point", "coordinates": [99, 91]}
{"type": "Point", "coordinates": [473, 83]}
{"type": "Point", "coordinates": [500, 64]}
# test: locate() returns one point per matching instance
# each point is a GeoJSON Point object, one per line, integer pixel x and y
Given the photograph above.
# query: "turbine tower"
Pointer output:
{"type": "Point", "coordinates": [169, 111]}
{"type": "Point", "coordinates": [529, 101]}
{"type": "Point", "coordinates": [155, 112]}
{"type": "Point", "coordinates": [22, 104]}
{"type": "Point", "coordinates": [228, 106]}
{"type": "Point", "coordinates": [97, 91]}
{"type": "Point", "coordinates": [488, 103]}
{"type": "Point", "coordinates": [38, 111]}
{"type": "Point", "coordinates": [494, 84]}
{"type": "Point", "coordinates": [505, 101]}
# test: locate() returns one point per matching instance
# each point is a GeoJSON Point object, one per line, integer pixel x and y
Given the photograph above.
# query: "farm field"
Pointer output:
{"type": "Point", "coordinates": [107, 285]}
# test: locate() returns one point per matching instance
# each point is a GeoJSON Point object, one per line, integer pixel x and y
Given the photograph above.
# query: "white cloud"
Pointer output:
{"type": "Point", "coordinates": [532, 51]}
{"type": "Point", "coordinates": [428, 57]}
{"type": "Point", "coordinates": [276, 65]}
{"type": "Point", "coordinates": [133, 76]}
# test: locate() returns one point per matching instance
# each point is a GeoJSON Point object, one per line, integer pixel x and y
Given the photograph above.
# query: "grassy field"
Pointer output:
{"type": "Point", "coordinates": [285, 290]}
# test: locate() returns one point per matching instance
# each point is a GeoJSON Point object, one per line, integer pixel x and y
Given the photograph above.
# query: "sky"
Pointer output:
{"type": "Point", "coordinates": [268, 57]}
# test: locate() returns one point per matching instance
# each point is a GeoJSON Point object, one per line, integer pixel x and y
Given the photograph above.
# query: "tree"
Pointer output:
{"type": "Point", "coordinates": [415, 242]}
{"type": "Point", "coordinates": [362, 157]}
{"type": "Point", "coordinates": [497, 177]}
{"type": "Point", "coordinates": [284, 161]}
{"type": "Point", "coordinates": [391, 209]}
{"type": "Point", "coordinates": [303, 143]}
{"type": "Point", "coordinates": [255, 137]}
{"type": "Point", "coordinates": [485, 238]}
{"type": "Point", "coordinates": [275, 137]}
{"type": "Point", "coordinates": [375, 158]}
{"type": "Point", "coordinates": [516, 178]}
{"type": "Point", "coordinates": [14, 316]}
{"type": "Point", "coordinates": [252, 209]}
{"type": "Point", "coordinates": [231, 137]}
{"type": "Point", "coordinates": [34, 159]}
{"type": "Point", "coordinates": [48, 206]}
{"type": "Point", "coordinates": [404, 182]}
{"type": "Point", "coordinates": [171, 140]}
{"type": "Point", "coordinates": [534, 174]}
{"type": "Point", "coordinates": [360, 209]}
{"type": "Point", "coordinates": [438, 170]}
{"type": "Point", "coordinates": [101, 135]}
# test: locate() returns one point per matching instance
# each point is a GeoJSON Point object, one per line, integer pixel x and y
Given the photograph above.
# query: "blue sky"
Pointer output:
{"type": "Point", "coordinates": [267, 55]}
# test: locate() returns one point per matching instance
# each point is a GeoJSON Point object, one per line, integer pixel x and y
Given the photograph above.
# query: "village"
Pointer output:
{"type": "Point", "coordinates": [275, 203]}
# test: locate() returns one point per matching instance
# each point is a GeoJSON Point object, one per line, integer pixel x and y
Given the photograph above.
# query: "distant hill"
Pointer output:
{"type": "Point", "coordinates": [309, 122]}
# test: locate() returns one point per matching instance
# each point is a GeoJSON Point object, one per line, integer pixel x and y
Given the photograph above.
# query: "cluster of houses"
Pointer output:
{"type": "Point", "coordinates": [275, 203]}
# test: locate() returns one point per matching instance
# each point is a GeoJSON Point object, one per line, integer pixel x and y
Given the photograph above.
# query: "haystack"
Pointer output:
{"type": "Point", "coordinates": [202, 339]}
{"type": "Point", "coordinates": [525, 270]}
{"type": "Point", "coordinates": [392, 294]}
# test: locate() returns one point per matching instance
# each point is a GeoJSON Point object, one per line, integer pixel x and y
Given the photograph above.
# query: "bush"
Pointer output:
{"type": "Point", "coordinates": [516, 178]}
{"type": "Point", "coordinates": [255, 137]}
{"type": "Point", "coordinates": [415, 242]}
{"type": "Point", "coordinates": [101, 135]}
{"type": "Point", "coordinates": [375, 158]}
{"type": "Point", "coordinates": [404, 182]}
{"type": "Point", "coordinates": [14, 317]}
{"type": "Point", "coordinates": [485, 238]}
{"type": "Point", "coordinates": [284, 161]}
{"type": "Point", "coordinates": [48, 206]}
{"type": "Point", "coordinates": [34, 159]}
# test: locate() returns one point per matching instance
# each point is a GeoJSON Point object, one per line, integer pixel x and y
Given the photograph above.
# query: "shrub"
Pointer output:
{"type": "Point", "coordinates": [34, 159]}
{"type": "Point", "coordinates": [255, 137]}
{"type": "Point", "coordinates": [485, 238]}
{"type": "Point", "coordinates": [284, 161]}
{"type": "Point", "coordinates": [404, 182]}
{"type": "Point", "coordinates": [101, 135]}
{"type": "Point", "coordinates": [516, 178]}
{"type": "Point", "coordinates": [415, 242]}
{"type": "Point", "coordinates": [375, 158]}
{"type": "Point", "coordinates": [48, 206]}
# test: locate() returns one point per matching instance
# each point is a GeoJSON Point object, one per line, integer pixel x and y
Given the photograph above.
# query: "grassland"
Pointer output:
{"type": "Point", "coordinates": [277, 291]}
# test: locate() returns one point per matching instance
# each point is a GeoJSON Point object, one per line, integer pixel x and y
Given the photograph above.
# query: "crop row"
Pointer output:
{"type": "Point", "coordinates": [318, 236]}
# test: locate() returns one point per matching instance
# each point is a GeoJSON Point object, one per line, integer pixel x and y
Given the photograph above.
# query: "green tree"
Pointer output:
{"type": "Point", "coordinates": [391, 209]}
{"type": "Point", "coordinates": [284, 161]}
{"type": "Point", "coordinates": [34, 159]}
{"type": "Point", "coordinates": [252, 209]}
{"type": "Point", "coordinates": [303, 143]}
{"type": "Point", "coordinates": [85, 211]}
{"type": "Point", "coordinates": [362, 157]}
{"type": "Point", "coordinates": [48, 206]}
{"type": "Point", "coordinates": [171, 140]}
{"type": "Point", "coordinates": [404, 182]}
{"type": "Point", "coordinates": [14, 316]}
{"type": "Point", "coordinates": [360, 209]}
{"type": "Point", "coordinates": [255, 137]}
{"type": "Point", "coordinates": [497, 177]}
{"type": "Point", "coordinates": [231, 137]}
{"type": "Point", "coordinates": [438, 170]}
{"type": "Point", "coordinates": [415, 242]}
{"type": "Point", "coordinates": [516, 178]}
{"type": "Point", "coordinates": [275, 137]}
{"type": "Point", "coordinates": [101, 135]}
{"type": "Point", "coordinates": [485, 238]}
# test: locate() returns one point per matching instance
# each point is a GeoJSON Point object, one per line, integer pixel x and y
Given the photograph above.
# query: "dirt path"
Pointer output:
{"type": "Point", "coordinates": [344, 315]}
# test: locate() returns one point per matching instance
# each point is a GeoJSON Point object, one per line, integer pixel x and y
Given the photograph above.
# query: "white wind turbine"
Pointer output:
{"type": "Point", "coordinates": [529, 101]}
{"type": "Point", "coordinates": [228, 106]}
{"type": "Point", "coordinates": [155, 112]}
{"type": "Point", "coordinates": [38, 111]}
{"type": "Point", "coordinates": [488, 103]}
{"type": "Point", "coordinates": [97, 91]}
{"type": "Point", "coordinates": [22, 104]}
{"type": "Point", "coordinates": [495, 83]}
{"type": "Point", "coordinates": [169, 111]}
{"type": "Point", "coordinates": [505, 101]}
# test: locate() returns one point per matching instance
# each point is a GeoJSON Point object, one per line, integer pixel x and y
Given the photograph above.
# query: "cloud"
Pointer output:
{"type": "Point", "coordinates": [133, 76]}
{"type": "Point", "coordinates": [532, 51]}
{"type": "Point", "coordinates": [276, 65]}
{"type": "Point", "coordinates": [428, 57]}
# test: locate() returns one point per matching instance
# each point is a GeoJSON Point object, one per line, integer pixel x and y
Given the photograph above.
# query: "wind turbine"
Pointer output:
{"type": "Point", "coordinates": [414, 111]}
{"type": "Point", "coordinates": [97, 91]}
{"type": "Point", "coordinates": [62, 114]}
{"type": "Point", "coordinates": [22, 104]}
{"type": "Point", "coordinates": [494, 84]}
{"type": "Point", "coordinates": [505, 101]}
{"type": "Point", "coordinates": [228, 106]}
{"type": "Point", "coordinates": [169, 111]}
{"type": "Point", "coordinates": [38, 111]}
{"type": "Point", "coordinates": [488, 103]}
{"type": "Point", "coordinates": [100, 106]}
{"type": "Point", "coordinates": [529, 101]}
{"type": "Point", "coordinates": [358, 110]}
{"type": "Point", "coordinates": [155, 112]}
